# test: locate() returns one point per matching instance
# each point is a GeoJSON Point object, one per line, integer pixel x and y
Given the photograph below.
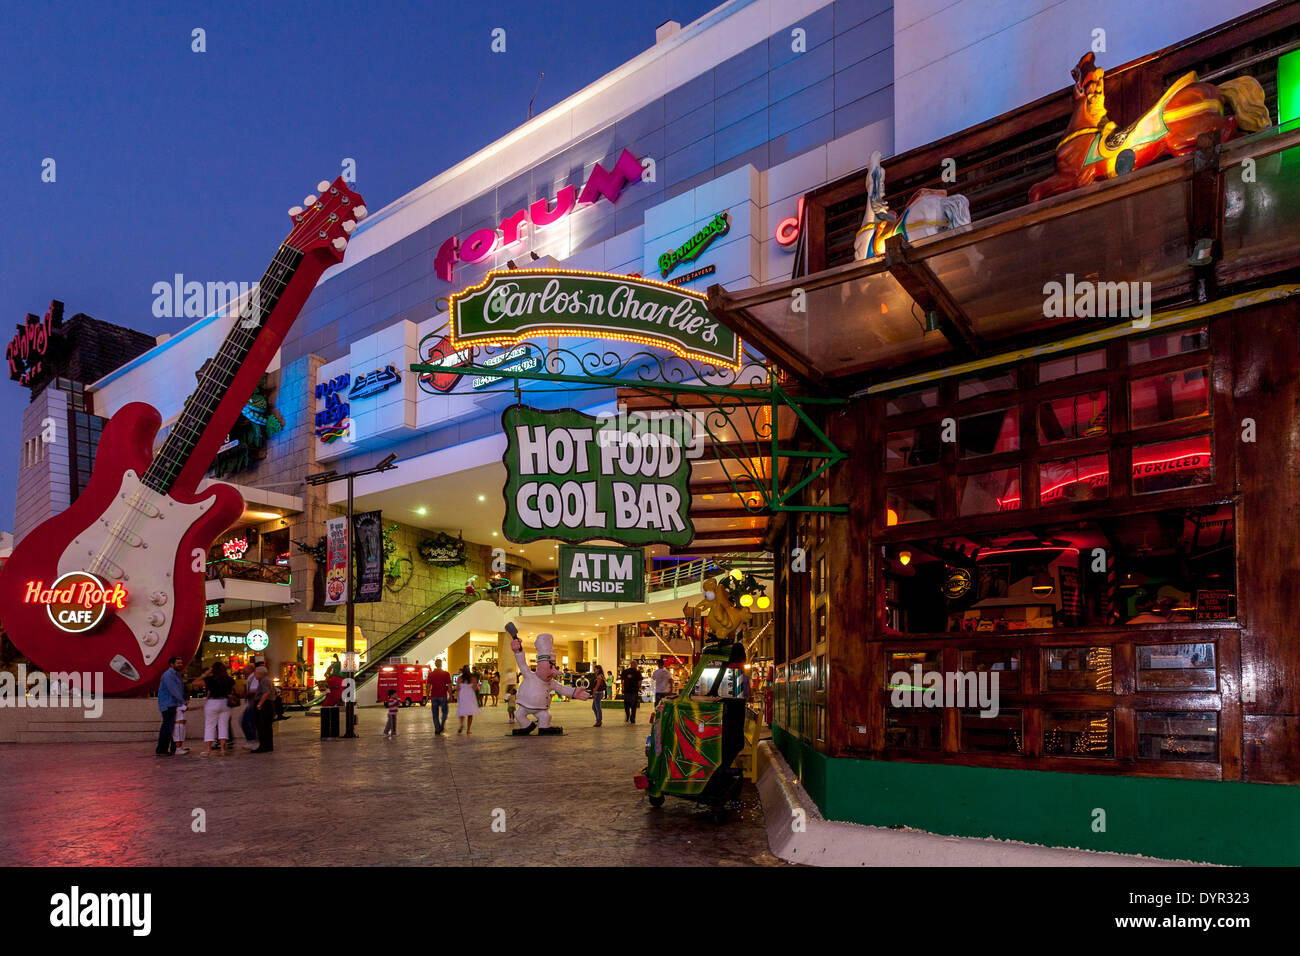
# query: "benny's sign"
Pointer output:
{"type": "Point", "coordinates": [572, 477]}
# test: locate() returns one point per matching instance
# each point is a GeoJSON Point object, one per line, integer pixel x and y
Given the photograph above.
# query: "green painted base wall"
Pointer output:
{"type": "Point", "coordinates": [1241, 824]}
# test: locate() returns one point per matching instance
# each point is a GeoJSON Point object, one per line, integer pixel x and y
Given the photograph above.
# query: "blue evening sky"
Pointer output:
{"type": "Point", "coordinates": [173, 161]}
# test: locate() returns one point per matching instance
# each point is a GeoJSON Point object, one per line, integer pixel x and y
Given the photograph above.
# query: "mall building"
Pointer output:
{"type": "Point", "coordinates": [950, 532]}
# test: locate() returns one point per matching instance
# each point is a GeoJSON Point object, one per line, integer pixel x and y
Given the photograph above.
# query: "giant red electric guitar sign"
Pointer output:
{"type": "Point", "coordinates": [115, 584]}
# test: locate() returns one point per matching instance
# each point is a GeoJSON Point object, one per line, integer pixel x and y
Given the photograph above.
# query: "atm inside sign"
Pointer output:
{"type": "Point", "coordinates": [602, 574]}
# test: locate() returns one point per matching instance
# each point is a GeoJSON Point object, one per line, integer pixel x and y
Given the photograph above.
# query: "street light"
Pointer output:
{"type": "Point", "coordinates": [324, 478]}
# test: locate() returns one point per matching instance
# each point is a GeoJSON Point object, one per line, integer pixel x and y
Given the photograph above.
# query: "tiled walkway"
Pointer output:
{"type": "Point", "coordinates": [416, 799]}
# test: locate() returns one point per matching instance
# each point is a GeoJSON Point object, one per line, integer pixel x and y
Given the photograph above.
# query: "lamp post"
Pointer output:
{"type": "Point", "coordinates": [324, 478]}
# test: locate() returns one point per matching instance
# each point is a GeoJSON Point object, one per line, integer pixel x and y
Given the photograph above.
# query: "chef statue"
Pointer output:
{"type": "Point", "coordinates": [535, 688]}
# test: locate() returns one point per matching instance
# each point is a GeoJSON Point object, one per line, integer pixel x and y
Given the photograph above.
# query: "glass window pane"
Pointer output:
{"type": "Point", "coordinates": [1178, 735]}
{"type": "Point", "coordinates": [1077, 668]}
{"type": "Point", "coordinates": [1049, 370]}
{"type": "Point", "coordinates": [1176, 667]}
{"type": "Point", "coordinates": [912, 503]}
{"type": "Point", "coordinates": [1074, 479]}
{"type": "Point", "coordinates": [988, 433]}
{"type": "Point", "coordinates": [1003, 734]}
{"type": "Point", "coordinates": [1184, 463]}
{"type": "Point", "coordinates": [989, 491]}
{"type": "Point", "coordinates": [1002, 661]}
{"type": "Point", "coordinates": [1168, 343]}
{"type": "Point", "coordinates": [899, 667]}
{"type": "Point", "coordinates": [1073, 416]}
{"type": "Point", "coordinates": [1168, 398]}
{"type": "Point", "coordinates": [1079, 734]}
{"type": "Point", "coordinates": [916, 401]}
{"type": "Point", "coordinates": [912, 447]}
{"type": "Point", "coordinates": [914, 727]}
{"type": "Point", "coordinates": [985, 383]}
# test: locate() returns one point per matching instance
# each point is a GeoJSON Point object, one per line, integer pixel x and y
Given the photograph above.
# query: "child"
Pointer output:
{"type": "Point", "coordinates": [178, 731]}
{"type": "Point", "coordinates": [510, 704]}
{"type": "Point", "coordinates": [391, 726]}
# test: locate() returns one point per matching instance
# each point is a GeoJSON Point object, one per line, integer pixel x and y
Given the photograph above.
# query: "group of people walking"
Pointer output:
{"type": "Point", "coordinates": [255, 693]}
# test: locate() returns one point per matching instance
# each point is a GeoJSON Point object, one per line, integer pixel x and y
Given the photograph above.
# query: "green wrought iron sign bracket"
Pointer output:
{"type": "Point", "coordinates": [654, 378]}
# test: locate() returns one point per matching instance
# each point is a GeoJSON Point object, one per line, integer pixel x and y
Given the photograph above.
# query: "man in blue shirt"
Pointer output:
{"type": "Point", "coordinates": [171, 694]}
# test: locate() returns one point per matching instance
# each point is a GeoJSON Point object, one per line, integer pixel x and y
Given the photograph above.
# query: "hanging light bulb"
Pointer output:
{"type": "Point", "coordinates": [746, 600]}
{"type": "Point", "coordinates": [764, 602]}
{"type": "Point", "coordinates": [737, 574]}
{"type": "Point", "coordinates": [905, 557]}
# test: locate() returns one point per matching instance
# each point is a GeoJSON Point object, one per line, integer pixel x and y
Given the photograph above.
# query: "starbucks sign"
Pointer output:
{"type": "Point", "coordinates": [512, 305]}
{"type": "Point", "coordinates": [572, 477]}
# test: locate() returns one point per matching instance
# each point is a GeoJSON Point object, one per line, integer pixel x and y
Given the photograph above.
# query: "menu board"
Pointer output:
{"type": "Point", "coordinates": [1212, 605]}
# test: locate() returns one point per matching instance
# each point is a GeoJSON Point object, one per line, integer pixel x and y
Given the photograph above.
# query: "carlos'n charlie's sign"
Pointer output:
{"type": "Point", "coordinates": [514, 304]}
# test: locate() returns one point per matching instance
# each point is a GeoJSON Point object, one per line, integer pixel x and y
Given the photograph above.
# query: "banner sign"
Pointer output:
{"type": "Point", "coordinates": [336, 560]}
{"type": "Point", "coordinates": [367, 531]}
{"type": "Point", "coordinates": [572, 477]}
{"type": "Point", "coordinates": [602, 574]}
{"type": "Point", "coordinates": [514, 304]}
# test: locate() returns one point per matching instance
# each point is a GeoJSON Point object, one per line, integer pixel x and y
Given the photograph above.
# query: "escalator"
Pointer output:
{"type": "Point", "coordinates": [407, 636]}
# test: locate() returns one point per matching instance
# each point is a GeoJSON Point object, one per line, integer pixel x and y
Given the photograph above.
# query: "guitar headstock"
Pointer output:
{"type": "Point", "coordinates": [325, 221]}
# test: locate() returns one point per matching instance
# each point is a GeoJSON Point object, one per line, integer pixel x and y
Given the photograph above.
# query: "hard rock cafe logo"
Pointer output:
{"type": "Point", "coordinates": [77, 601]}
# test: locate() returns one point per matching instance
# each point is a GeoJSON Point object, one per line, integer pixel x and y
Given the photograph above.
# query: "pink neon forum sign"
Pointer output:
{"type": "Point", "coordinates": [482, 243]}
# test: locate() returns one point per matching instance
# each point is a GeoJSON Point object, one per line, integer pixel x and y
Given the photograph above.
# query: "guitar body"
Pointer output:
{"type": "Point", "coordinates": [129, 648]}
{"type": "Point", "coordinates": [141, 526]}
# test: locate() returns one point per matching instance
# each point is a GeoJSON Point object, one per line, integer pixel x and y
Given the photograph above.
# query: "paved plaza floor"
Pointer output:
{"type": "Point", "coordinates": [416, 799]}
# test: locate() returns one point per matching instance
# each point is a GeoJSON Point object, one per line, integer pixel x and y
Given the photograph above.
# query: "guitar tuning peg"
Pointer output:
{"type": "Point", "coordinates": [340, 243]}
{"type": "Point", "coordinates": [322, 186]}
{"type": "Point", "coordinates": [349, 226]}
{"type": "Point", "coordinates": [295, 211]}
{"type": "Point", "coordinates": [359, 212]}
{"type": "Point", "coordinates": [311, 198]}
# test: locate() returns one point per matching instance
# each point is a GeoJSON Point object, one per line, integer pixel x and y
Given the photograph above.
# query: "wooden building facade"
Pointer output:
{"type": "Point", "coordinates": [1095, 511]}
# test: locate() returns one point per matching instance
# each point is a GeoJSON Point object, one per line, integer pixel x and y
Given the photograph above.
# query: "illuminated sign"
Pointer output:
{"type": "Point", "coordinates": [787, 230]}
{"type": "Point", "coordinates": [524, 358]}
{"type": "Point", "coordinates": [1101, 479]}
{"type": "Point", "coordinates": [212, 610]}
{"type": "Point", "coordinates": [514, 304]}
{"type": "Point", "coordinates": [77, 601]}
{"type": "Point", "coordinates": [31, 344]}
{"type": "Point", "coordinates": [719, 225]}
{"type": "Point", "coordinates": [373, 383]}
{"type": "Point", "coordinates": [234, 548]}
{"type": "Point", "coordinates": [257, 639]}
{"type": "Point", "coordinates": [573, 477]}
{"type": "Point", "coordinates": [331, 423]}
{"type": "Point", "coordinates": [694, 274]}
{"type": "Point", "coordinates": [442, 353]}
{"type": "Point", "coordinates": [477, 246]}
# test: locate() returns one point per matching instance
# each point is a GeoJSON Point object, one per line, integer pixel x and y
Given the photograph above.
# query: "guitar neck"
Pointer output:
{"type": "Point", "coordinates": [226, 382]}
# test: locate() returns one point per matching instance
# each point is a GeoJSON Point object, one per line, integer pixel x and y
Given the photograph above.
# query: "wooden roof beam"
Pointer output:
{"type": "Point", "coordinates": [919, 281]}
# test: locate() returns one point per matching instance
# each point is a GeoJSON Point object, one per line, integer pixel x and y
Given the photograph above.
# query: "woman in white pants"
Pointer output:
{"type": "Point", "coordinates": [216, 712]}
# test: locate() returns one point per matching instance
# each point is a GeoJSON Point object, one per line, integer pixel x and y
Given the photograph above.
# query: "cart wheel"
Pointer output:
{"type": "Point", "coordinates": [657, 801]}
{"type": "Point", "coordinates": [718, 815]}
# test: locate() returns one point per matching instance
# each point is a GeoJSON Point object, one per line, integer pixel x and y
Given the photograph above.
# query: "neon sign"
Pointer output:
{"type": "Point", "coordinates": [374, 383]}
{"type": "Point", "coordinates": [30, 345]}
{"type": "Point", "coordinates": [720, 225]}
{"type": "Point", "coordinates": [1101, 479]}
{"type": "Point", "coordinates": [478, 245]}
{"type": "Point", "coordinates": [330, 424]}
{"type": "Point", "coordinates": [234, 548]}
{"type": "Point", "coordinates": [77, 601]}
{"type": "Point", "coordinates": [787, 230]}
